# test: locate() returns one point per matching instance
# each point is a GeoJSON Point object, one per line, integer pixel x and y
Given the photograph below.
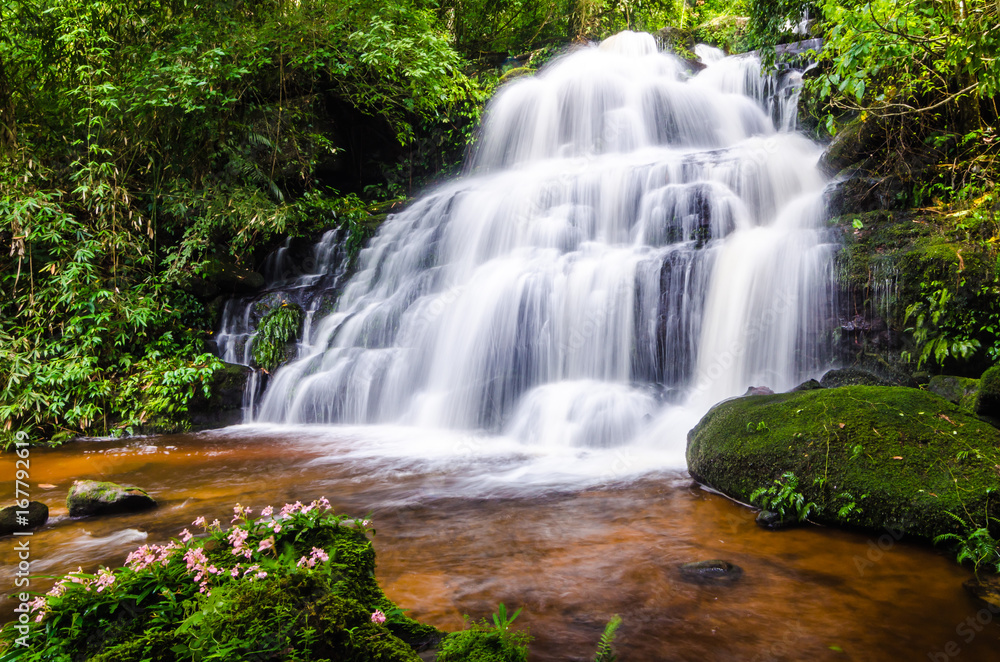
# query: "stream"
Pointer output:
{"type": "Point", "coordinates": [453, 539]}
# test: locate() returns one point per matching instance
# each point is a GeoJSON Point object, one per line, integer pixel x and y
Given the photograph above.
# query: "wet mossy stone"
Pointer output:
{"type": "Point", "coordinates": [810, 385]}
{"type": "Point", "coordinates": [903, 457]}
{"type": "Point", "coordinates": [957, 390]}
{"type": "Point", "coordinates": [852, 377]}
{"type": "Point", "coordinates": [92, 497]}
{"type": "Point", "coordinates": [37, 514]}
{"type": "Point", "coordinates": [773, 521]}
{"type": "Point", "coordinates": [988, 398]}
{"type": "Point", "coordinates": [711, 572]}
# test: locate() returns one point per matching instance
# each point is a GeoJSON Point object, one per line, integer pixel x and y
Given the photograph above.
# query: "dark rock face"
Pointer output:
{"type": "Point", "coordinates": [224, 278]}
{"type": "Point", "coordinates": [758, 390]}
{"type": "Point", "coordinates": [91, 497]}
{"type": "Point", "coordinates": [988, 398]}
{"type": "Point", "coordinates": [810, 385]}
{"type": "Point", "coordinates": [225, 407]}
{"type": "Point", "coordinates": [711, 572]}
{"type": "Point", "coordinates": [874, 457]}
{"type": "Point", "coordinates": [37, 515]}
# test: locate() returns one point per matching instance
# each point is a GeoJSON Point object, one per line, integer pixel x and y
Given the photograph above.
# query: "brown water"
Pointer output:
{"type": "Point", "coordinates": [571, 557]}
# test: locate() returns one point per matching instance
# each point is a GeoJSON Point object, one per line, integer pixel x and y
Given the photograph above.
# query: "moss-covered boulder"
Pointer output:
{"type": "Point", "coordinates": [296, 584]}
{"type": "Point", "coordinates": [867, 456]}
{"type": "Point", "coordinates": [961, 391]}
{"type": "Point", "coordinates": [92, 497]}
{"type": "Point", "coordinates": [14, 518]}
{"type": "Point", "coordinates": [988, 397]}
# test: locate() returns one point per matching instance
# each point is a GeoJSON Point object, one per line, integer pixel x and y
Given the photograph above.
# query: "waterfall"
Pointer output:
{"type": "Point", "coordinates": [629, 241]}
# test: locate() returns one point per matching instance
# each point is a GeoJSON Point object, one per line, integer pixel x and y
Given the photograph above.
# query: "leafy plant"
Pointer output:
{"type": "Point", "coordinates": [760, 427]}
{"type": "Point", "coordinates": [783, 498]}
{"type": "Point", "coordinates": [977, 545]}
{"type": "Point", "coordinates": [502, 620]}
{"type": "Point", "coordinates": [278, 327]}
{"type": "Point", "coordinates": [605, 650]}
{"type": "Point", "coordinates": [940, 329]}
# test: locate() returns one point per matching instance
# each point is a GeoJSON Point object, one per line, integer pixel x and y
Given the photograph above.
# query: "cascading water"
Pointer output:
{"type": "Point", "coordinates": [630, 245]}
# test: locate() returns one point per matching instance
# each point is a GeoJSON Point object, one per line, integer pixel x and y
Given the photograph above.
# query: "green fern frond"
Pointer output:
{"type": "Point", "coordinates": [605, 651]}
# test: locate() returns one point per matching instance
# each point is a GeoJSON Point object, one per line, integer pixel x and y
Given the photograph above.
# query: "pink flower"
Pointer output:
{"type": "Point", "coordinates": [105, 578]}
{"type": "Point", "coordinates": [186, 536]}
{"type": "Point", "coordinates": [235, 572]}
{"type": "Point", "coordinates": [378, 617]}
{"type": "Point", "coordinates": [236, 538]}
{"type": "Point", "coordinates": [199, 522]}
{"type": "Point", "coordinates": [276, 527]}
{"type": "Point", "coordinates": [267, 511]}
{"type": "Point", "coordinates": [266, 543]}
{"type": "Point", "coordinates": [216, 524]}
{"type": "Point", "coordinates": [320, 555]}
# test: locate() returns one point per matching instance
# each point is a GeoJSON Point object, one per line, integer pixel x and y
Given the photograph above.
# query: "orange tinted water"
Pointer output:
{"type": "Point", "coordinates": [570, 557]}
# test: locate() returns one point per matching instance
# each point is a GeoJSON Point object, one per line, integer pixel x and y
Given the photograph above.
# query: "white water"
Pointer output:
{"type": "Point", "coordinates": [630, 246]}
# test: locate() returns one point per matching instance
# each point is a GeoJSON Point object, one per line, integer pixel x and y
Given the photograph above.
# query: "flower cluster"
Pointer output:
{"type": "Point", "coordinates": [316, 556]}
{"type": "Point", "coordinates": [254, 543]}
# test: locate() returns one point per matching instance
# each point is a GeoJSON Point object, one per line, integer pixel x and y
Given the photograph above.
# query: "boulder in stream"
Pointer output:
{"type": "Point", "coordinates": [92, 497]}
{"type": "Point", "coordinates": [881, 458]}
{"type": "Point", "coordinates": [715, 571]}
{"type": "Point", "coordinates": [37, 514]}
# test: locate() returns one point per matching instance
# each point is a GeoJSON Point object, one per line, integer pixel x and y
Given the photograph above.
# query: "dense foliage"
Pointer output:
{"type": "Point", "coordinates": [144, 143]}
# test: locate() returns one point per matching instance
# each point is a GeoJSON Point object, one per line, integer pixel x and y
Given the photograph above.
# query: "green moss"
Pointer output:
{"type": "Point", "coordinates": [961, 391]}
{"type": "Point", "coordinates": [905, 457]}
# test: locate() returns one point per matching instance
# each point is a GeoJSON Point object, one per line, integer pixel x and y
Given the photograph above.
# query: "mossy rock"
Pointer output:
{"type": "Point", "coordinates": [91, 497]}
{"type": "Point", "coordinates": [961, 391]}
{"type": "Point", "coordinates": [852, 377]}
{"type": "Point", "coordinates": [988, 398]}
{"type": "Point", "coordinates": [37, 515]}
{"type": "Point", "coordinates": [906, 458]}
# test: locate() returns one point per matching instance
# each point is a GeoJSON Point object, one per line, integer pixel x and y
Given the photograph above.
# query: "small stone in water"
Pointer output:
{"type": "Point", "coordinates": [715, 571]}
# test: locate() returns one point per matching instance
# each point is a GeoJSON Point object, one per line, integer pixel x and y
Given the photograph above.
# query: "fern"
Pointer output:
{"type": "Point", "coordinates": [279, 327]}
{"type": "Point", "coordinates": [605, 651]}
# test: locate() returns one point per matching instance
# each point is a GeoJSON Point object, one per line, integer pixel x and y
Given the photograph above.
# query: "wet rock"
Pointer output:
{"type": "Point", "coordinates": [715, 571]}
{"type": "Point", "coordinates": [225, 406]}
{"type": "Point", "coordinates": [223, 278]}
{"type": "Point", "coordinates": [852, 377]}
{"type": "Point", "coordinates": [851, 145]}
{"type": "Point", "coordinates": [37, 515]}
{"type": "Point", "coordinates": [986, 590]}
{"type": "Point", "coordinates": [769, 519]}
{"type": "Point", "coordinates": [873, 457]}
{"type": "Point", "coordinates": [810, 385]}
{"type": "Point", "coordinates": [91, 497]}
{"type": "Point", "coordinates": [958, 390]}
{"type": "Point", "coordinates": [988, 398]}
{"type": "Point", "coordinates": [758, 390]}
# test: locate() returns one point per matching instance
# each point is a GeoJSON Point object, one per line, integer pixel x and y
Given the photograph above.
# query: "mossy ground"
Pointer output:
{"type": "Point", "coordinates": [907, 458]}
